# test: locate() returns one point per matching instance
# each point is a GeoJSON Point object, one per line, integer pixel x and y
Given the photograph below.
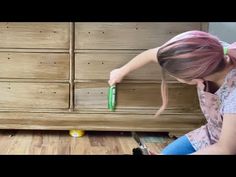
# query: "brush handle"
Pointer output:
{"type": "Point", "coordinates": [112, 98]}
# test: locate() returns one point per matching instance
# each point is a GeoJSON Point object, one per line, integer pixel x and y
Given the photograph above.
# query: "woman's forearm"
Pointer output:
{"type": "Point", "coordinates": [117, 75]}
{"type": "Point", "coordinates": [215, 149]}
{"type": "Point", "coordinates": [140, 60]}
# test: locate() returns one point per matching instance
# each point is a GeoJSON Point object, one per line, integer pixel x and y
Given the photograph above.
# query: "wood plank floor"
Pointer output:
{"type": "Point", "coordinates": [61, 143]}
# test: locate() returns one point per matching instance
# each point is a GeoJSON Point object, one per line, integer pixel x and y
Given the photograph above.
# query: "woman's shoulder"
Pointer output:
{"type": "Point", "coordinates": [229, 82]}
{"type": "Point", "coordinates": [230, 79]}
{"type": "Point", "coordinates": [229, 104]}
{"type": "Point", "coordinates": [227, 93]}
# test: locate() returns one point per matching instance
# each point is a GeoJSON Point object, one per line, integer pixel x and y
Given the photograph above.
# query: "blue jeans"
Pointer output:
{"type": "Point", "coordinates": [180, 146]}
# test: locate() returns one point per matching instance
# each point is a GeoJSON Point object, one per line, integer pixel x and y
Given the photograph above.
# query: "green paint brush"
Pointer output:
{"type": "Point", "coordinates": [112, 98]}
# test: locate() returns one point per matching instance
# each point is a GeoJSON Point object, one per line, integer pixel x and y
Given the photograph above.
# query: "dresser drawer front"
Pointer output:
{"type": "Point", "coordinates": [34, 65]}
{"type": "Point", "coordinates": [99, 65]}
{"type": "Point", "coordinates": [34, 95]}
{"type": "Point", "coordinates": [135, 96]}
{"type": "Point", "coordinates": [128, 35]}
{"type": "Point", "coordinates": [34, 35]}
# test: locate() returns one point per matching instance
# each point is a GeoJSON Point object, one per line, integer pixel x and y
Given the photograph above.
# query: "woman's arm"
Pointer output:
{"type": "Point", "coordinates": [137, 62]}
{"type": "Point", "coordinates": [227, 141]}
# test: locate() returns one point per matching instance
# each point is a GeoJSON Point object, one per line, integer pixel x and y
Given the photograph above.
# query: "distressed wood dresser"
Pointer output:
{"type": "Point", "coordinates": [54, 76]}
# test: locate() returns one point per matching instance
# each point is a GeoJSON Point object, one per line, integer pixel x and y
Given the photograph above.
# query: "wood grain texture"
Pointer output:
{"type": "Point", "coordinates": [60, 143]}
{"type": "Point", "coordinates": [105, 122]}
{"type": "Point", "coordinates": [54, 76]}
{"type": "Point", "coordinates": [34, 95]}
{"type": "Point", "coordinates": [205, 27]}
{"type": "Point", "coordinates": [34, 35]}
{"type": "Point", "coordinates": [97, 66]}
{"type": "Point", "coordinates": [72, 67]}
{"type": "Point", "coordinates": [128, 35]}
{"type": "Point", "coordinates": [135, 96]}
{"type": "Point", "coordinates": [34, 65]}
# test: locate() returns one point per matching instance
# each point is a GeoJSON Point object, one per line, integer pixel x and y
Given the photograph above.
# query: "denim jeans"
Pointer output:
{"type": "Point", "coordinates": [180, 146]}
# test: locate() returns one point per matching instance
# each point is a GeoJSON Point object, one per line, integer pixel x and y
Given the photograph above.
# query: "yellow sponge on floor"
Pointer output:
{"type": "Point", "coordinates": [77, 133]}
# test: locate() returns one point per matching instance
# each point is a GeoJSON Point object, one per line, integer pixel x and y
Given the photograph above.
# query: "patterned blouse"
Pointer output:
{"type": "Point", "coordinates": [214, 106]}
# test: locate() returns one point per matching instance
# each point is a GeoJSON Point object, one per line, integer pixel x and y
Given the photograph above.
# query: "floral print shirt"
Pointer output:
{"type": "Point", "coordinates": [214, 106]}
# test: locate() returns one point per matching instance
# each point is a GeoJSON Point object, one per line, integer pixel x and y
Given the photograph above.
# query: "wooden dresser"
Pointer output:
{"type": "Point", "coordinates": [54, 76]}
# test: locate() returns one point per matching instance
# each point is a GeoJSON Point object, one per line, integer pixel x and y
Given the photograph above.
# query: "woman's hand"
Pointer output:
{"type": "Point", "coordinates": [152, 153]}
{"type": "Point", "coordinates": [116, 76]}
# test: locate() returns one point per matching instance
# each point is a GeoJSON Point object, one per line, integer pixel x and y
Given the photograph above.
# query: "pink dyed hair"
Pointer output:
{"type": "Point", "coordinates": [191, 55]}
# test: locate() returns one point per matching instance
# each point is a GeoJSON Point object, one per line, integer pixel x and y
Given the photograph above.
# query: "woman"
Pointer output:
{"type": "Point", "coordinates": [201, 59]}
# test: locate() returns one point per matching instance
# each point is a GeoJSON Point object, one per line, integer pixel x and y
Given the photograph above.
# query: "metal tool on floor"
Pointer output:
{"type": "Point", "coordinates": [112, 98]}
{"type": "Point", "coordinates": [142, 149]}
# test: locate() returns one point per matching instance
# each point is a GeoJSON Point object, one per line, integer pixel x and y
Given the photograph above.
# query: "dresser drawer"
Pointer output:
{"type": "Point", "coordinates": [34, 35]}
{"type": "Point", "coordinates": [138, 97]}
{"type": "Point", "coordinates": [34, 95]}
{"type": "Point", "coordinates": [34, 65]}
{"type": "Point", "coordinates": [97, 65]}
{"type": "Point", "coordinates": [128, 35]}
